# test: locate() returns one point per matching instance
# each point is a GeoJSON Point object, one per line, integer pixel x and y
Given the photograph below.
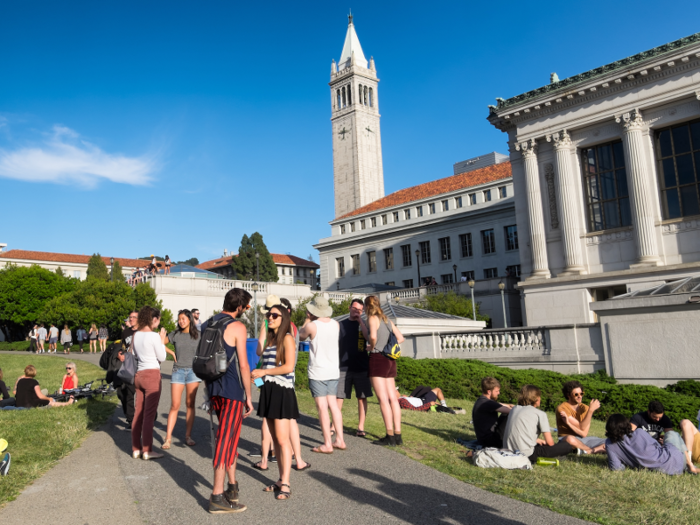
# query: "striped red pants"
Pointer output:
{"type": "Point", "coordinates": [230, 415]}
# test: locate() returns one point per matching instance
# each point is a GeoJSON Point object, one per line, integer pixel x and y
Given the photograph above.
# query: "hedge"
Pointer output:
{"type": "Point", "coordinates": [461, 379]}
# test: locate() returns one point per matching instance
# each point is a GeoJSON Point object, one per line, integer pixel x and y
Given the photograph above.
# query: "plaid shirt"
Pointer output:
{"type": "Point", "coordinates": [403, 403]}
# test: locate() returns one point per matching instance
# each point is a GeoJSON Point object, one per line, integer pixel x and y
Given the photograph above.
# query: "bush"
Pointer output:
{"type": "Point", "coordinates": [452, 304]}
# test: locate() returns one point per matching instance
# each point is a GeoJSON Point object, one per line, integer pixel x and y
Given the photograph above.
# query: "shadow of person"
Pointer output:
{"type": "Point", "coordinates": [412, 503]}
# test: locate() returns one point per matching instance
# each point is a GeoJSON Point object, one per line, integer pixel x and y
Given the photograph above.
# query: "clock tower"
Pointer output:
{"type": "Point", "coordinates": [358, 175]}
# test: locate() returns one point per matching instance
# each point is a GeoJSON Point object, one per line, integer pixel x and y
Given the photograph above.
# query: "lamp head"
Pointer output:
{"type": "Point", "coordinates": [471, 283]}
{"type": "Point", "coordinates": [501, 286]}
{"type": "Point", "coordinates": [255, 287]}
{"type": "Point", "coordinates": [454, 267]}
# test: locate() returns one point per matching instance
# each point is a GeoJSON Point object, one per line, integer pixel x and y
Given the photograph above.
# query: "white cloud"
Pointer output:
{"type": "Point", "coordinates": [65, 158]}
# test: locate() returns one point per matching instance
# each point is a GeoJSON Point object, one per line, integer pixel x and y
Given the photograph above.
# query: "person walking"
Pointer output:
{"type": "Point", "coordinates": [66, 339]}
{"type": "Point", "coordinates": [33, 335]}
{"type": "Point", "coordinates": [70, 379]}
{"type": "Point", "coordinates": [149, 349]}
{"type": "Point", "coordinates": [93, 338]}
{"type": "Point", "coordinates": [42, 337]}
{"type": "Point", "coordinates": [382, 370]}
{"type": "Point", "coordinates": [230, 399]}
{"type": "Point", "coordinates": [324, 370]}
{"type": "Point", "coordinates": [185, 339]}
{"type": "Point", "coordinates": [278, 401]}
{"type": "Point", "coordinates": [81, 337]}
{"type": "Point", "coordinates": [53, 338]}
{"type": "Point", "coordinates": [102, 335]}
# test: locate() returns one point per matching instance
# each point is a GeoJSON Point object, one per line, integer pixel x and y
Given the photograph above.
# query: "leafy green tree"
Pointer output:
{"type": "Point", "coordinates": [59, 271]}
{"type": "Point", "coordinates": [193, 261]}
{"type": "Point", "coordinates": [97, 269]}
{"type": "Point", "coordinates": [452, 304]}
{"type": "Point", "coordinates": [144, 295]}
{"type": "Point", "coordinates": [24, 291]}
{"type": "Point", "coordinates": [244, 264]}
{"type": "Point", "coordinates": [116, 274]}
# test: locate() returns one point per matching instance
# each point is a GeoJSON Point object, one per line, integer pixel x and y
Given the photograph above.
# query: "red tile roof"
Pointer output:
{"type": "Point", "coordinates": [278, 258]}
{"type": "Point", "coordinates": [68, 258]}
{"type": "Point", "coordinates": [437, 187]}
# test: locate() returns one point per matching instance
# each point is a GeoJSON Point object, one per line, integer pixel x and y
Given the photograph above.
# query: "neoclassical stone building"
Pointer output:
{"type": "Point", "coordinates": [606, 173]}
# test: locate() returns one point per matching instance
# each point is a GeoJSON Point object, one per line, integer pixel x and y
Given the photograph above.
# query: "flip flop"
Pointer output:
{"type": "Point", "coordinates": [3, 445]}
{"type": "Point", "coordinates": [317, 450]}
{"type": "Point", "coordinates": [361, 433]}
{"type": "Point", "coordinates": [259, 467]}
{"type": "Point", "coordinates": [340, 448]}
{"type": "Point", "coordinates": [308, 466]}
{"type": "Point", "coordinates": [190, 442]}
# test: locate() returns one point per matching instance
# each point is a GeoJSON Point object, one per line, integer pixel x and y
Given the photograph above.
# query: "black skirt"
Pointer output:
{"type": "Point", "coordinates": [277, 402]}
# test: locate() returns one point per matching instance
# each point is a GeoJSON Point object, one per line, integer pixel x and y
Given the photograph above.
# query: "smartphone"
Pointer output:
{"type": "Point", "coordinates": [259, 382]}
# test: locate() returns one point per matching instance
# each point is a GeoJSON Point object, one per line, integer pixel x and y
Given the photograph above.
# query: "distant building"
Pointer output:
{"type": "Point", "coordinates": [290, 269]}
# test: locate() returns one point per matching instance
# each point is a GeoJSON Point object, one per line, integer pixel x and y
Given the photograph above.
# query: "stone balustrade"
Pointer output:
{"type": "Point", "coordinates": [517, 340]}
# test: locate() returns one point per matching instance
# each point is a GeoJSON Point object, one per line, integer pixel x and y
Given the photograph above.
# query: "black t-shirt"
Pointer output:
{"type": "Point", "coordinates": [127, 334]}
{"type": "Point", "coordinates": [485, 416]}
{"type": "Point", "coordinates": [26, 395]}
{"type": "Point", "coordinates": [3, 391]}
{"type": "Point", "coordinates": [655, 429]}
{"type": "Point", "coordinates": [352, 347]}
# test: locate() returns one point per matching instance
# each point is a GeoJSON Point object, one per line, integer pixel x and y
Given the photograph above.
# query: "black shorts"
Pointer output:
{"type": "Point", "coordinates": [492, 439]}
{"type": "Point", "coordinates": [360, 380]}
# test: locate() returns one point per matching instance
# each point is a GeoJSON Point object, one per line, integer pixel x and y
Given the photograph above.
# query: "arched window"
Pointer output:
{"type": "Point", "coordinates": [337, 92]}
{"type": "Point", "coordinates": [359, 100]}
{"type": "Point", "coordinates": [342, 90]}
{"type": "Point", "coordinates": [365, 101]}
{"type": "Point", "coordinates": [371, 101]}
{"type": "Point", "coordinates": [349, 95]}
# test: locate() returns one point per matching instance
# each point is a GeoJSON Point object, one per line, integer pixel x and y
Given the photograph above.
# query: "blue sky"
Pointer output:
{"type": "Point", "coordinates": [129, 128]}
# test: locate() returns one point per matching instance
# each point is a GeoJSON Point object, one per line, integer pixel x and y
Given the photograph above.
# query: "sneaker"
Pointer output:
{"type": "Point", "coordinates": [398, 440]}
{"type": "Point", "coordinates": [256, 454]}
{"type": "Point", "coordinates": [219, 504]}
{"type": "Point", "coordinates": [5, 465]}
{"type": "Point", "coordinates": [386, 441]}
{"type": "Point", "coordinates": [232, 493]}
{"type": "Point", "coordinates": [272, 459]}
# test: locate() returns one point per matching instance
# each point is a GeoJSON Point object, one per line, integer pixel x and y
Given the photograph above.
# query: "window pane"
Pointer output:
{"type": "Point", "coordinates": [695, 134]}
{"type": "Point", "coordinates": [619, 154]}
{"type": "Point", "coordinates": [665, 143]}
{"type": "Point", "coordinates": [621, 177]}
{"type": "Point", "coordinates": [689, 200]}
{"type": "Point", "coordinates": [669, 170]}
{"type": "Point", "coordinates": [590, 154]}
{"type": "Point", "coordinates": [596, 217]}
{"type": "Point", "coordinates": [684, 165]}
{"type": "Point", "coordinates": [605, 158]}
{"type": "Point", "coordinates": [625, 214]}
{"type": "Point", "coordinates": [607, 185]}
{"type": "Point", "coordinates": [612, 219]}
{"type": "Point", "coordinates": [673, 207]}
{"type": "Point", "coordinates": [593, 188]}
{"type": "Point", "coordinates": [681, 140]}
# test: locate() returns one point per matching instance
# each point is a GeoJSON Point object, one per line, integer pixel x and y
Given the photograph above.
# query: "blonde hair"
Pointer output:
{"type": "Point", "coordinates": [374, 308]}
{"type": "Point", "coordinates": [528, 395]}
{"type": "Point", "coordinates": [93, 326]}
{"type": "Point", "coordinates": [72, 364]}
{"type": "Point", "coordinates": [30, 371]}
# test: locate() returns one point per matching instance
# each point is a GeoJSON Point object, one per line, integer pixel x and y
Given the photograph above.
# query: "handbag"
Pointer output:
{"type": "Point", "coordinates": [391, 349]}
{"type": "Point", "coordinates": [127, 372]}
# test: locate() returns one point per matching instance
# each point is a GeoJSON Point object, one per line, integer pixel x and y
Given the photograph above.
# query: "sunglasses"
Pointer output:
{"type": "Point", "coordinates": [579, 395]}
{"type": "Point", "coordinates": [273, 316]}
{"type": "Point", "coordinates": [68, 368]}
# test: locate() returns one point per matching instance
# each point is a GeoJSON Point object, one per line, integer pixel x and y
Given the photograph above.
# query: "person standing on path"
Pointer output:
{"type": "Point", "coordinates": [41, 338]}
{"type": "Point", "coordinates": [102, 335]}
{"type": "Point", "coordinates": [278, 401]}
{"type": "Point", "coordinates": [354, 363]}
{"type": "Point", "coordinates": [126, 392]}
{"type": "Point", "coordinates": [93, 338]}
{"type": "Point", "coordinates": [149, 349]}
{"type": "Point", "coordinates": [33, 334]}
{"type": "Point", "coordinates": [66, 339]}
{"type": "Point", "coordinates": [80, 336]}
{"type": "Point", "coordinates": [53, 338]}
{"type": "Point", "coordinates": [324, 369]}
{"type": "Point", "coordinates": [230, 399]}
{"type": "Point", "coordinates": [382, 370]}
{"type": "Point", "coordinates": [185, 339]}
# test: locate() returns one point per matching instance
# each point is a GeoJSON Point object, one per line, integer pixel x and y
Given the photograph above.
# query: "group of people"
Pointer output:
{"type": "Point", "coordinates": [27, 392]}
{"type": "Point", "coordinates": [140, 275]}
{"type": "Point", "coordinates": [647, 440]}
{"type": "Point", "coordinates": [39, 336]}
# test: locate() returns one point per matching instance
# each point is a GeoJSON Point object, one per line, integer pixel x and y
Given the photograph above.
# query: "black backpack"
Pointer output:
{"type": "Point", "coordinates": [106, 356]}
{"type": "Point", "coordinates": [211, 341]}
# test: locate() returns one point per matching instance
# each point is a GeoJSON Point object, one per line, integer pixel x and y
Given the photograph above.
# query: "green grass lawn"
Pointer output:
{"type": "Point", "coordinates": [38, 438]}
{"type": "Point", "coordinates": [582, 486]}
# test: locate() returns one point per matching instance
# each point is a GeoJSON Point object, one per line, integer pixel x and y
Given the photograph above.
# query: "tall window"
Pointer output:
{"type": "Point", "coordinates": [469, 276]}
{"type": "Point", "coordinates": [419, 211]}
{"type": "Point", "coordinates": [431, 207]}
{"type": "Point", "coordinates": [342, 91]}
{"type": "Point", "coordinates": [388, 258]}
{"type": "Point", "coordinates": [502, 192]}
{"type": "Point", "coordinates": [355, 264]}
{"type": "Point", "coordinates": [445, 251]}
{"type": "Point", "coordinates": [365, 102]}
{"type": "Point", "coordinates": [360, 93]}
{"type": "Point", "coordinates": [425, 252]}
{"type": "Point", "coordinates": [337, 92]}
{"type": "Point", "coordinates": [606, 186]}
{"type": "Point", "coordinates": [384, 219]}
{"type": "Point", "coordinates": [349, 95]}
{"type": "Point", "coordinates": [408, 283]}
{"type": "Point", "coordinates": [407, 214]}
{"type": "Point", "coordinates": [487, 196]}
{"type": "Point", "coordinates": [447, 278]}
{"type": "Point", "coordinates": [352, 226]}
{"type": "Point", "coordinates": [406, 255]}
{"type": "Point", "coordinates": [511, 237]}
{"type": "Point", "coordinates": [363, 224]}
{"type": "Point", "coordinates": [445, 205]}
{"type": "Point", "coordinates": [490, 273]}
{"type": "Point", "coordinates": [340, 266]}
{"type": "Point", "coordinates": [374, 222]}
{"type": "Point", "coordinates": [396, 216]}
{"type": "Point", "coordinates": [342, 229]}
{"type": "Point", "coordinates": [371, 98]}
{"type": "Point", "coordinates": [458, 202]}
{"type": "Point", "coordinates": [678, 151]}
{"type": "Point", "coordinates": [372, 261]}
{"type": "Point", "coordinates": [513, 271]}
{"type": "Point", "coordinates": [488, 241]}
{"type": "Point", "coordinates": [472, 198]}
{"type": "Point", "coordinates": [465, 243]}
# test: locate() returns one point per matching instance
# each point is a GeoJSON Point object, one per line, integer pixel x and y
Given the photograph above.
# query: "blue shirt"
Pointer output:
{"type": "Point", "coordinates": [643, 451]}
{"type": "Point", "coordinates": [227, 386]}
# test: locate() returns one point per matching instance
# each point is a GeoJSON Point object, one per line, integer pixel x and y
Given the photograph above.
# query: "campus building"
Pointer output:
{"type": "Point", "coordinates": [606, 175]}
{"type": "Point", "coordinates": [290, 268]}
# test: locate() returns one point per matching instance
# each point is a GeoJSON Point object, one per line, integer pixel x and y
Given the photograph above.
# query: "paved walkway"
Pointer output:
{"type": "Point", "coordinates": [100, 483]}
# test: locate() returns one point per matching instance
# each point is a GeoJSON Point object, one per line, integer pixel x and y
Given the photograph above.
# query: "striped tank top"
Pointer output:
{"type": "Point", "coordinates": [268, 360]}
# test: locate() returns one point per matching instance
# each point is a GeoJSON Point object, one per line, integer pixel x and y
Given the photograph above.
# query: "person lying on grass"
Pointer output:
{"type": "Point", "coordinates": [574, 420]}
{"type": "Point", "coordinates": [29, 393]}
{"type": "Point", "coordinates": [635, 448]}
{"type": "Point", "coordinates": [422, 398]}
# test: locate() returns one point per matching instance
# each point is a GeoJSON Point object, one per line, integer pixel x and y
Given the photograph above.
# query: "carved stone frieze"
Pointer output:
{"type": "Point", "coordinates": [551, 193]}
{"type": "Point", "coordinates": [527, 148]}
{"type": "Point", "coordinates": [680, 227]}
{"type": "Point", "coordinates": [632, 120]}
{"type": "Point", "coordinates": [618, 236]}
{"type": "Point", "coordinates": [561, 140]}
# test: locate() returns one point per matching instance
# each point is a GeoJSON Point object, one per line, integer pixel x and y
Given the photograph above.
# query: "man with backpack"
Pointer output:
{"type": "Point", "coordinates": [229, 394]}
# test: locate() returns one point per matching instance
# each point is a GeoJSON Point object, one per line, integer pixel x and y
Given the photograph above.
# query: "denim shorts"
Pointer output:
{"type": "Point", "coordinates": [323, 388]}
{"type": "Point", "coordinates": [183, 376]}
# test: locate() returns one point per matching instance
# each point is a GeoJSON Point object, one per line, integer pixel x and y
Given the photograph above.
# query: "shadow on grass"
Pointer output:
{"type": "Point", "coordinates": [445, 434]}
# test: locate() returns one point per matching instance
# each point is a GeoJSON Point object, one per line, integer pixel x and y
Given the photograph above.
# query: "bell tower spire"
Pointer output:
{"type": "Point", "coordinates": [357, 147]}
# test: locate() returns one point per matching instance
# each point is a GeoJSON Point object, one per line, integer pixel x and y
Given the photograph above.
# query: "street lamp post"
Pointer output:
{"type": "Point", "coordinates": [255, 306]}
{"type": "Point", "coordinates": [111, 268]}
{"type": "Point", "coordinates": [257, 266]}
{"type": "Point", "coordinates": [454, 269]}
{"type": "Point", "coordinates": [471, 284]}
{"type": "Point", "coordinates": [418, 263]}
{"type": "Point", "coordinates": [502, 287]}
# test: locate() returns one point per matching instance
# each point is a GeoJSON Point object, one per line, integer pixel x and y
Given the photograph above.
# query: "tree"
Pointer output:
{"type": "Point", "coordinates": [452, 304]}
{"type": "Point", "coordinates": [116, 274]}
{"type": "Point", "coordinates": [59, 271]}
{"type": "Point", "coordinates": [23, 293]}
{"type": "Point", "coordinates": [97, 269]}
{"type": "Point", "coordinates": [244, 263]}
{"type": "Point", "coordinates": [193, 261]}
{"type": "Point", "coordinates": [144, 295]}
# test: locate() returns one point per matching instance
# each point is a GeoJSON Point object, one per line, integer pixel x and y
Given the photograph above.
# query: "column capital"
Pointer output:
{"type": "Point", "coordinates": [631, 121]}
{"type": "Point", "coordinates": [527, 148]}
{"type": "Point", "coordinates": [561, 140]}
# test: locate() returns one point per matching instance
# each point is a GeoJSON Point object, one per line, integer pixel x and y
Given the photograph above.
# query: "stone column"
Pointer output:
{"type": "Point", "coordinates": [637, 180]}
{"type": "Point", "coordinates": [538, 242]}
{"type": "Point", "coordinates": [566, 203]}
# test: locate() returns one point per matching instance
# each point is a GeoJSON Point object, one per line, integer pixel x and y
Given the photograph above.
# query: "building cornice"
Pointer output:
{"type": "Point", "coordinates": [346, 73]}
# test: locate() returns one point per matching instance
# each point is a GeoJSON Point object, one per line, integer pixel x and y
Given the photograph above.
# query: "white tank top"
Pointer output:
{"type": "Point", "coordinates": [324, 357]}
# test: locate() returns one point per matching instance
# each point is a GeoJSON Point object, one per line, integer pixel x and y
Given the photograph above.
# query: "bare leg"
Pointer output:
{"type": "Point", "coordinates": [295, 438]}
{"type": "Point", "coordinates": [190, 400]}
{"type": "Point", "coordinates": [265, 444]}
{"type": "Point", "coordinates": [379, 385]}
{"type": "Point", "coordinates": [338, 421]}
{"type": "Point", "coordinates": [395, 407]}
{"type": "Point", "coordinates": [576, 443]}
{"type": "Point", "coordinates": [324, 420]}
{"type": "Point", "coordinates": [688, 432]}
{"type": "Point", "coordinates": [362, 412]}
{"type": "Point", "coordinates": [439, 394]}
{"type": "Point", "coordinates": [340, 407]}
{"type": "Point", "coordinates": [175, 396]}
{"type": "Point", "coordinates": [279, 428]}
{"type": "Point", "coordinates": [220, 477]}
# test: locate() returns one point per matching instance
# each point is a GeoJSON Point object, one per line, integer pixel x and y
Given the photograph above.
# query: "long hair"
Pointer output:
{"type": "Point", "coordinates": [282, 332]}
{"type": "Point", "coordinates": [93, 327]}
{"type": "Point", "coordinates": [374, 308]}
{"type": "Point", "coordinates": [617, 427]}
{"type": "Point", "coordinates": [146, 316]}
{"type": "Point", "coordinates": [194, 333]}
{"type": "Point", "coordinates": [528, 395]}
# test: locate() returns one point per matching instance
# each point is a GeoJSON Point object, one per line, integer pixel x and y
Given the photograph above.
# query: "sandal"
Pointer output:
{"type": "Point", "coordinates": [259, 466]}
{"type": "Point", "coordinates": [166, 444]}
{"type": "Point", "coordinates": [273, 488]}
{"type": "Point", "coordinates": [361, 433]}
{"type": "Point", "coordinates": [296, 467]}
{"type": "Point", "coordinates": [283, 495]}
{"type": "Point", "coordinates": [190, 442]}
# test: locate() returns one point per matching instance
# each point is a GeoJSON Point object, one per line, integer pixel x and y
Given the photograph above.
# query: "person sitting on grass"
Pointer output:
{"type": "Point", "coordinates": [574, 420]}
{"type": "Point", "coordinates": [526, 423]}
{"type": "Point", "coordinates": [654, 421]}
{"type": "Point", "coordinates": [636, 448]}
{"type": "Point", "coordinates": [70, 380]}
{"type": "Point", "coordinates": [422, 398]}
{"type": "Point", "coordinates": [489, 415]}
{"type": "Point", "coordinates": [7, 400]}
{"type": "Point", "coordinates": [29, 395]}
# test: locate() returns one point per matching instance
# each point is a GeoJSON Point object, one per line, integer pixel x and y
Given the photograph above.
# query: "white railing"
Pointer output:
{"type": "Point", "coordinates": [441, 288]}
{"type": "Point", "coordinates": [515, 340]}
{"type": "Point", "coordinates": [337, 296]}
{"type": "Point", "coordinates": [224, 285]}
{"type": "Point", "coordinates": [408, 293]}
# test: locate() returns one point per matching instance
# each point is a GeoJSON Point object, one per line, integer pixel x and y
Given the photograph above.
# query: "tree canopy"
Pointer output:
{"type": "Point", "coordinates": [97, 269]}
{"type": "Point", "coordinates": [192, 261]}
{"type": "Point", "coordinates": [116, 274]}
{"type": "Point", "coordinates": [244, 264]}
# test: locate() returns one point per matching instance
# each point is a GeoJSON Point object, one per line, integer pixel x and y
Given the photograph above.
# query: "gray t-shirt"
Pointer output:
{"type": "Point", "coordinates": [185, 348]}
{"type": "Point", "coordinates": [524, 425]}
{"type": "Point", "coordinates": [53, 332]}
{"type": "Point", "coordinates": [42, 333]}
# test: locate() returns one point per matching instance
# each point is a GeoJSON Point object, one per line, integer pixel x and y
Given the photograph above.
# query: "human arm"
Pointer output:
{"type": "Point", "coordinates": [308, 329]}
{"type": "Point", "coordinates": [37, 391]}
{"type": "Point", "coordinates": [3, 390]}
{"type": "Point", "coordinates": [75, 381]}
{"type": "Point", "coordinates": [547, 438]}
{"type": "Point", "coordinates": [168, 339]}
{"type": "Point", "coordinates": [373, 327]}
{"type": "Point", "coordinates": [364, 328]}
{"type": "Point", "coordinates": [262, 337]}
{"type": "Point", "coordinates": [236, 335]}
{"type": "Point", "coordinates": [159, 345]}
{"type": "Point", "coordinates": [614, 462]}
{"type": "Point", "coordinates": [286, 368]}
{"type": "Point", "coordinates": [397, 333]}
{"type": "Point", "coordinates": [543, 428]}
{"type": "Point", "coordinates": [505, 409]}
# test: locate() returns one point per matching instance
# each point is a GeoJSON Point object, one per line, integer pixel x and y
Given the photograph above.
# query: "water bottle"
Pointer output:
{"type": "Point", "coordinates": [221, 361]}
{"type": "Point", "coordinates": [548, 462]}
